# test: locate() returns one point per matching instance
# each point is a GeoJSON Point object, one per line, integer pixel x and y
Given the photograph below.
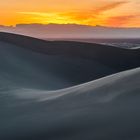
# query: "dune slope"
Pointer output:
{"type": "Point", "coordinates": [117, 58]}
{"type": "Point", "coordinates": [107, 108]}
{"type": "Point", "coordinates": [21, 67]}
{"type": "Point", "coordinates": [51, 92]}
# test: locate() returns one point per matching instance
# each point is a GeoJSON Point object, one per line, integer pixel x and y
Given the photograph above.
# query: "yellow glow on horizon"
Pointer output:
{"type": "Point", "coordinates": [125, 13]}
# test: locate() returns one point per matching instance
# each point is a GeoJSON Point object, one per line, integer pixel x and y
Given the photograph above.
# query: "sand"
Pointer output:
{"type": "Point", "coordinates": [51, 92]}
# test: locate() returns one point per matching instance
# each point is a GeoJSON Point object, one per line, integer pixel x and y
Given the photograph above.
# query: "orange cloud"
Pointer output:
{"type": "Point", "coordinates": [107, 7]}
{"type": "Point", "coordinates": [89, 17]}
{"type": "Point", "coordinates": [88, 12]}
{"type": "Point", "coordinates": [121, 20]}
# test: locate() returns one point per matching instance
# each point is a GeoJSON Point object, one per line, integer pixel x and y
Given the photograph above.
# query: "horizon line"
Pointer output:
{"type": "Point", "coordinates": [15, 25]}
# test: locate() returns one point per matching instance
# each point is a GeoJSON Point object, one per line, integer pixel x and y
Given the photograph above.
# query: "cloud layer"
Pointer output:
{"type": "Point", "coordinates": [87, 12]}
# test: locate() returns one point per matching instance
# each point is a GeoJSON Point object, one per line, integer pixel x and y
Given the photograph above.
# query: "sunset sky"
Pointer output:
{"type": "Point", "coordinates": [118, 13]}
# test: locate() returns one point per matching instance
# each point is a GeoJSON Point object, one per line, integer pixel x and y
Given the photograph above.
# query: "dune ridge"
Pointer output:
{"type": "Point", "coordinates": [123, 58]}
{"type": "Point", "coordinates": [59, 90]}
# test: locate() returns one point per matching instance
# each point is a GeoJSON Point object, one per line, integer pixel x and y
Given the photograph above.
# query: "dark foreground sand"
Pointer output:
{"type": "Point", "coordinates": [68, 90]}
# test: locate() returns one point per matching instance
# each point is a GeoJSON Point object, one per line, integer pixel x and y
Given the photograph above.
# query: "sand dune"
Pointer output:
{"type": "Point", "coordinates": [117, 58]}
{"type": "Point", "coordinates": [22, 67]}
{"type": "Point", "coordinates": [100, 109]}
{"type": "Point", "coordinates": [67, 90]}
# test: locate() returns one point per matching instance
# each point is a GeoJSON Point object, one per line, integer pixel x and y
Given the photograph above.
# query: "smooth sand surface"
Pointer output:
{"type": "Point", "coordinates": [81, 92]}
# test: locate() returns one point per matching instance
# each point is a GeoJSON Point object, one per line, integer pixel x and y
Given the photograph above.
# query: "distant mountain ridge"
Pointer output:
{"type": "Point", "coordinates": [71, 31]}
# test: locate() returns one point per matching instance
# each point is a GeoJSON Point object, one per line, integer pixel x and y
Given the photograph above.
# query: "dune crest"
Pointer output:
{"type": "Point", "coordinates": [59, 90]}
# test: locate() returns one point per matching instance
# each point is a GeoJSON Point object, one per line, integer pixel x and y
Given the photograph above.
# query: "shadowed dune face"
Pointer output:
{"type": "Point", "coordinates": [25, 68]}
{"type": "Point", "coordinates": [29, 62]}
{"type": "Point", "coordinates": [117, 58]}
{"type": "Point", "coordinates": [45, 91]}
{"type": "Point", "coordinates": [106, 108]}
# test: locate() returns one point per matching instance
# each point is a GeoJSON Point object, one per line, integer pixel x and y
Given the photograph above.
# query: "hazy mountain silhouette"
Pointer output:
{"type": "Point", "coordinates": [72, 31]}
